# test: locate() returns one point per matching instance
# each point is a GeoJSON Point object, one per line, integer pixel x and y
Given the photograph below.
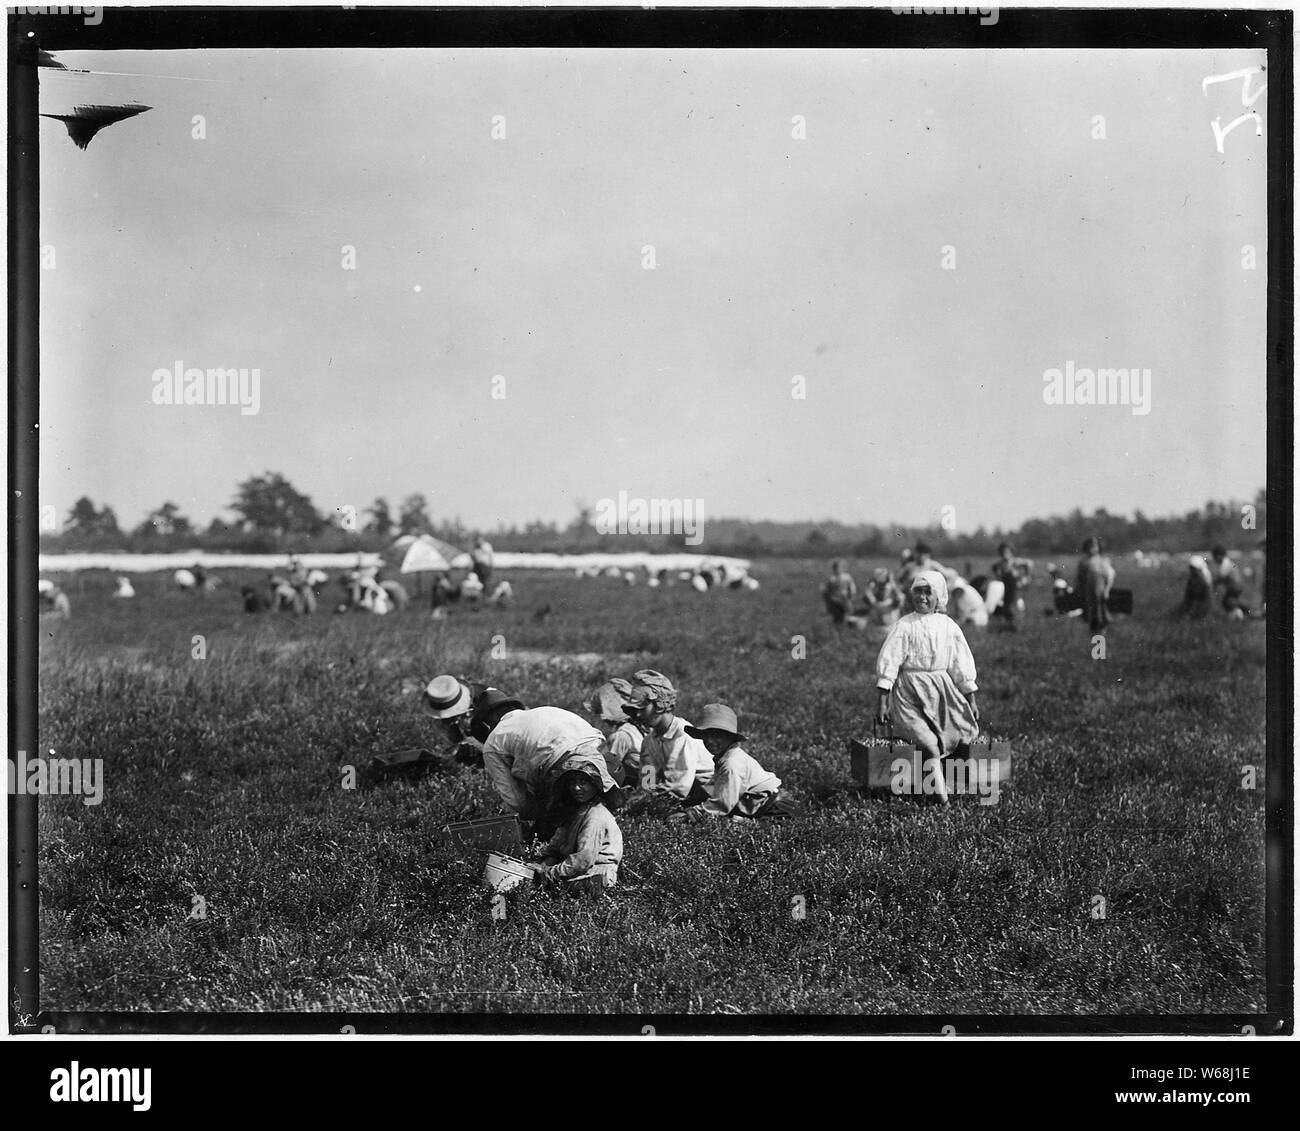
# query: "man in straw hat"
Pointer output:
{"type": "Point", "coordinates": [682, 765]}
{"type": "Point", "coordinates": [525, 752]}
{"type": "Point", "coordinates": [450, 701]}
{"type": "Point", "coordinates": [740, 787]}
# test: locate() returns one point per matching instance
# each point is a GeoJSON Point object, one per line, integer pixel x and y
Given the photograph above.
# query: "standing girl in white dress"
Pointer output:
{"type": "Point", "coordinates": [925, 675]}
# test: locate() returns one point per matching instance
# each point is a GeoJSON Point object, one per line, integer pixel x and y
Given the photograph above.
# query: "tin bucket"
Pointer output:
{"type": "Point", "coordinates": [501, 873]}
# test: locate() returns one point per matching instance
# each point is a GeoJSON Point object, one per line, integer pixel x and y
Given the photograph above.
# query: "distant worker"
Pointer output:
{"type": "Point", "coordinates": [1096, 576]}
{"type": "Point", "coordinates": [1198, 590]}
{"type": "Point", "coordinates": [445, 591]}
{"type": "Point", "coordinates": [471, 589]}
{"type": "Point", "coordinates": [883, 598]}
{"type": "Point", "coordinates": [1065, 602]}
{"type": "Point", "coordinates": [903, 574]}
{"type": "Point", "coordinates": [920, 561]}
{"type": "Point", "coordinates": [1013, 572]}
{"type": "Point", "coordinates": [254, 602]}
{"type": "Point", "coordinates": [838, 593]}
{"type": "Point", "coordinates": [482, 556]}
{"type": "Point", "coordinates": [51, 599]}
{"type": "Point", "coordinates": [124, 588]}
{"type": "Point", "coordinates": [1226, 576]}
{"type": "Point", "coordinates": [968, 606]}
{"type": "Point", "coordinates": [304, 596]}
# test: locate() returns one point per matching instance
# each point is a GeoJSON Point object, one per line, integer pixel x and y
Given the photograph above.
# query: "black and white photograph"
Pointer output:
{"type": "Point", "coordinates": [643, 521]}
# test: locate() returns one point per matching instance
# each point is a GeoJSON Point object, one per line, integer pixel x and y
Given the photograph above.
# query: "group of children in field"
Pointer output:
{"type": "Point", "coordinates": [552, 768]}
{"type": "Point", "coordinates": [886, 596]}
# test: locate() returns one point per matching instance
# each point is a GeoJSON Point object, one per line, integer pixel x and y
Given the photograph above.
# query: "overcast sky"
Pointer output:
{"type": "Point", "coordinates": [775, 256]}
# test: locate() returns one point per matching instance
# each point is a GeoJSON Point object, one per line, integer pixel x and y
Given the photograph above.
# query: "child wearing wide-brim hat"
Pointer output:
{"type": "Point", "coordinates": [740, 787]}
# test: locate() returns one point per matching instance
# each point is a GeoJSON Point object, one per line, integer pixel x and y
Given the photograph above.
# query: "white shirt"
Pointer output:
{"type": "Point", "coordinates": [680, 759]}
{"type": "Point", "coordinates": [930, 643]}
{"type": "Point", "coordinates": [740, 784]}
{"type": "Point", "coordinates": [526, 746]}
{"type": "Point", "coordinates": [625, 748]}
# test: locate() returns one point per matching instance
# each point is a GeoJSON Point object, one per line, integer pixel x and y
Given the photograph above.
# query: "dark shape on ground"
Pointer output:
{"type": "Point", "coordinates": [542, 613]}
{"type": "Point", "coordinates": [86, 121]}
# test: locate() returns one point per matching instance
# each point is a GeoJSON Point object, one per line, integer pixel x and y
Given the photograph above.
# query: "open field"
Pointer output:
{"type": "Point", "coordinates": [223, 780]}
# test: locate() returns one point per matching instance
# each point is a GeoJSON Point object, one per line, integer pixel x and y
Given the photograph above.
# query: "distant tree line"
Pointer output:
{"type": "Point", "coordinates": [272, 516]}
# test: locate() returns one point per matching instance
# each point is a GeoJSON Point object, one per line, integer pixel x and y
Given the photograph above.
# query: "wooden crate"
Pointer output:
{"type": "Point", "coordinates": [487, 834]}
{"type": "Point", "coordinates": [998, 749]}
{"type": "Point", "coordinates": [873, 763]}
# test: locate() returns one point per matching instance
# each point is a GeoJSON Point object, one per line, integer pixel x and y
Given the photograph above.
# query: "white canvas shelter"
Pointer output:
{"type": "Point", "coordinates": [423, 553]}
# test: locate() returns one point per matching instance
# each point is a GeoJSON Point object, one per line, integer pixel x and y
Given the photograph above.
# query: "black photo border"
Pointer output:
{"type": "Point", "coordinates": [172, 28]}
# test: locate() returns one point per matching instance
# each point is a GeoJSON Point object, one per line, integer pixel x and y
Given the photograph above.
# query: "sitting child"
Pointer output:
{"type": "Point", "coordinates": [740, 787]}
{"type": "Point", "coordinates": [588, 841]}
{"type": "Point", "coordinates": [623, 738]}
{"type": "Point", "coordinates": [471, 589]}
{"type": "Point", "coordinates": [883, 598]}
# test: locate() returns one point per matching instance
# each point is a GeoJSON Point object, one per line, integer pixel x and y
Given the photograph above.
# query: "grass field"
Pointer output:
{"type": "Point", "coordinates": [224, 780]}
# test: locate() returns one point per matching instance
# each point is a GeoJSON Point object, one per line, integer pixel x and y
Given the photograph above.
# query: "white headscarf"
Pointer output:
{"type": "Point", "coordinates": [938, 586]}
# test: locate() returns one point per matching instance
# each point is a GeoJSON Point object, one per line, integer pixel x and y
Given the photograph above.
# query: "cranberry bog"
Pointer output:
{"type": "Point", "coordinates": [234, 860]}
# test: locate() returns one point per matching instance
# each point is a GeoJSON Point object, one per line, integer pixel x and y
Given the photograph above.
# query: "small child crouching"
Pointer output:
{"type": "Point", "coordinates": [588, 842]}
{"type": "Point", "coordinates": [740, 787]}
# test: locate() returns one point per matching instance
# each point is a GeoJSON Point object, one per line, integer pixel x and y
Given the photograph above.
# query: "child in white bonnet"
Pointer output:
{"type": "Point", "coordinates": [925, 675]}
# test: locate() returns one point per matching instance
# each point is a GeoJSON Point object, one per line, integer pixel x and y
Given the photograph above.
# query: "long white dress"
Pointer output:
{"type": "Point", "coordinates": [927, 667]}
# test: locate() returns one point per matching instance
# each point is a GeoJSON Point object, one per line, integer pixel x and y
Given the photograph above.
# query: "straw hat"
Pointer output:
{"type": "Point", "coordinates": [446, 697]}
{"type": "Point", "coordinates": [716, 716]}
